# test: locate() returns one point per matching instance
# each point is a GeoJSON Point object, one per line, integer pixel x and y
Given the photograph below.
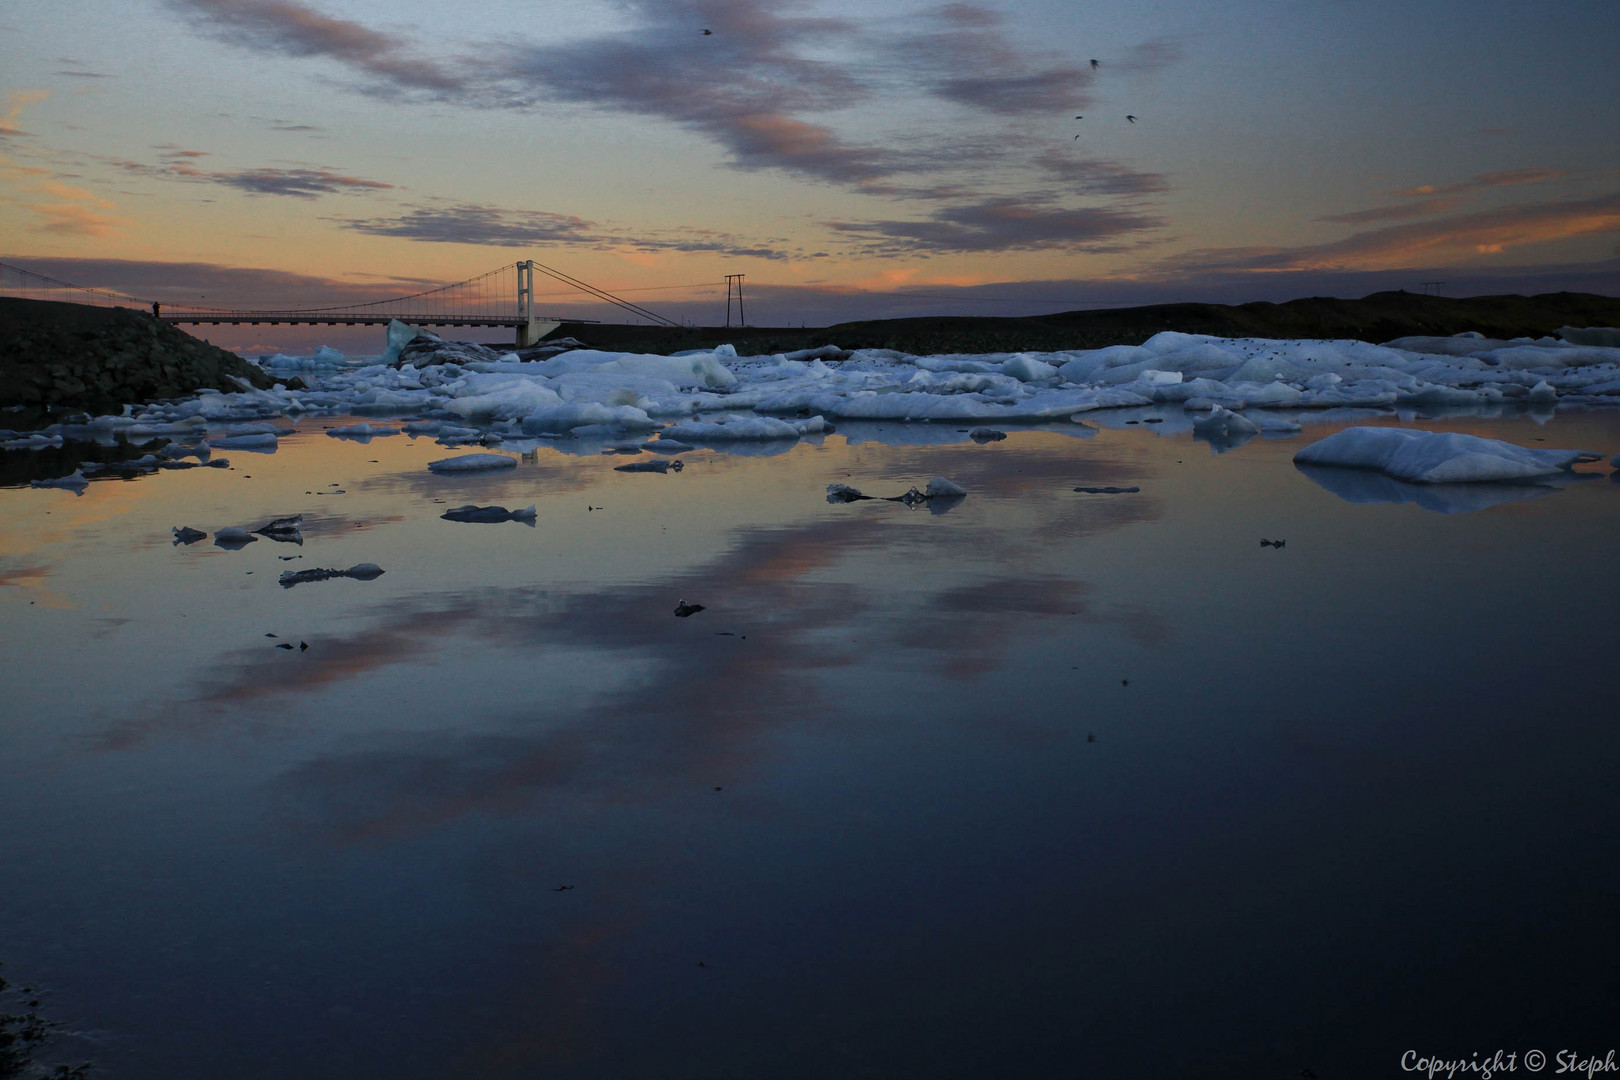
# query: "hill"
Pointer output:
{"type": "Point", "coordinates": [1378, 317]}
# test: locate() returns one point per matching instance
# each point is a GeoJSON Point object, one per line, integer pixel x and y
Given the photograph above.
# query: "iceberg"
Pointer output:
{"type": "Point", "coordinates": [1437, 457]}
{"type": "Point", "coordinates": [473, 463]}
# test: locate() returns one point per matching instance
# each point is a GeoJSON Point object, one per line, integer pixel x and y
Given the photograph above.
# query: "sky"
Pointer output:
{"type": "Point", "coordinates": [851, 159]}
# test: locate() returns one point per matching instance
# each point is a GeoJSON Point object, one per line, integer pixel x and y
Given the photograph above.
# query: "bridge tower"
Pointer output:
{"type": "Point", "coordinates": [530, 330]}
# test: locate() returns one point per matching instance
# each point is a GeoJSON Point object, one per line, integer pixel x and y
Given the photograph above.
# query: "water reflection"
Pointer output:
{"type": "Point", "coordinates": [1022, 789]}
{"type": "Point", "coordinates": [1369, 486]}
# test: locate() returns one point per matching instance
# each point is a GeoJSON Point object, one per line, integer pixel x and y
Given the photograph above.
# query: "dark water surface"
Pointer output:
{"type": "Point", "coordinates": [1052, 784]}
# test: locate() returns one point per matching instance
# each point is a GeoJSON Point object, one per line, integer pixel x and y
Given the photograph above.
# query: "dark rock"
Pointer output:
{"type": "Point", "coordinates": [75, 355]}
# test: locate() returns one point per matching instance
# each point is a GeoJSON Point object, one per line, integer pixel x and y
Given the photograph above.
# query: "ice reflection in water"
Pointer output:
{"type": "Point", "coordinates": [1037, 787]}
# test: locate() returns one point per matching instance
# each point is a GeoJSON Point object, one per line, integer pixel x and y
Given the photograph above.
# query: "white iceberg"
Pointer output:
{"type": "Point", "coordinates": [1437, 457]}
{"type": "Point", "coordinates": [473, 463]}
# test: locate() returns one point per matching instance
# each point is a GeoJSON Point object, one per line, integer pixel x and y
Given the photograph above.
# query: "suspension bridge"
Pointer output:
{"type": "Point", "coordinates": [501, 297]}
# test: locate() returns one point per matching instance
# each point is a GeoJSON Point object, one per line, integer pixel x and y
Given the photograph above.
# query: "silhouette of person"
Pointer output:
{"type": "Point", "coordinates": [156, 309]}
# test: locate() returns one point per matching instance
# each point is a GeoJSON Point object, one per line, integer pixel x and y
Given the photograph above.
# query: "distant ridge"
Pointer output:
{"type": "Point", "coordinates": [1378, 317]}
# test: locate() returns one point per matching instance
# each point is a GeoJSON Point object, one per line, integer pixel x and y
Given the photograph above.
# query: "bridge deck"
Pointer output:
{"type": "Point", "coordinates": [298, 318]}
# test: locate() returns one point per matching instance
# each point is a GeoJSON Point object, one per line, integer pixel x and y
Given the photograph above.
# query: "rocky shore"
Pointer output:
{"type": "Point", "coordinates": [55, 355]}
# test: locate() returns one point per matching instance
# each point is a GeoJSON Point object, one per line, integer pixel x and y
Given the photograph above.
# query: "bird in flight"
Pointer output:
{"type": "Point", "coordinates": [1095, 64]}
{"type": "Point", "coordinates": [708, 33]}
{"type": "Point", "coordinates": [1132, 119]}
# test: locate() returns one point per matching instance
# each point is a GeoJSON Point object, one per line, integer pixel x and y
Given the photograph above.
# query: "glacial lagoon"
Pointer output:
{"type": "Point", "coordinates": [1034, 782]}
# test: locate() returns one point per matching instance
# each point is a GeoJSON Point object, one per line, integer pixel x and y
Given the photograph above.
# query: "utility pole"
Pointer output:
{"type": "Point", "coordinates": [734, 282]}
{"type": "Point", "coordinates": [1434, 284]}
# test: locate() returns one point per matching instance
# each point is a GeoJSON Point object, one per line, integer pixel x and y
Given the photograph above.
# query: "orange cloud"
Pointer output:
{"type": "Point", "coordinates": [73, 220]}
{"type": "Point", "coordinates": [16, 102]}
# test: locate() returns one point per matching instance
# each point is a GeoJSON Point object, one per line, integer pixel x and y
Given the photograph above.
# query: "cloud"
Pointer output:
{"type": "Point", "coordinates": [1485, 181]}
{"type": "Point", "coordinates": [761, 85]}
{"type": "Point", "coordinates": [73, 219]}
{"type": "Point", "coordinates": [490, 226]}
{"type": "Point", "coordinates": [1460, 237]}
{"type": "Point", "coordinates": [295, 29]}
{"type": "Point", "coordinates": [221, 285]}
{"type": "Point", "coordinates": [1004, 224]}
{"type": "Point", "coordinates": [1398, 212]}
{"type": "Point", "coordinates": [16, 102]}
{"type": "Point", "coordinates": [303, 183]}
{"type": "Point", "coordinates": [1093, 176]}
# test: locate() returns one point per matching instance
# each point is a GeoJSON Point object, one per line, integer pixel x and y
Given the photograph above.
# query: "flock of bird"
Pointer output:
{"type": "Point", "coordinates": [1095, 66]}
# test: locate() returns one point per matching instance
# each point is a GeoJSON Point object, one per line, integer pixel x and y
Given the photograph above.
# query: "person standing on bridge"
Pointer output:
{"type": "Point", "coordinates": [156, 309]}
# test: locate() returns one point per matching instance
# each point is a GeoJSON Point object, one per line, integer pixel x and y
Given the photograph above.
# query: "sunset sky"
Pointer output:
{"type": "Point", "coordinates": [852, 159]}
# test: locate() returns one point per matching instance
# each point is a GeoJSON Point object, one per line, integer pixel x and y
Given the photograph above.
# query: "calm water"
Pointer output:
{"type": "Point", "coordinates": [1052, 784]}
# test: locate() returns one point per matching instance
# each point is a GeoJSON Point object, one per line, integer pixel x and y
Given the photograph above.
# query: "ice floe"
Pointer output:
{"type": "Point", "coordinates": [473, 463]}
{"type": "Point", "coordinates": [1229, 389]}
{"type": "Point", "coordinates": [490, 514]}
{"type": "Point", "coordinates": [1437, 457]}
{"type": "Point", "coordinates": [359, 572]}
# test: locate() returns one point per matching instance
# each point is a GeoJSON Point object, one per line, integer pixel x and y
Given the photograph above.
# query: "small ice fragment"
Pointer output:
{"type": "Point", "coordinates": [489, 514]}
{"type": "Point", "coordinates": [1543, 392]}
{"type": "Point", "coordinates": [667, 446]}
{"type": "Point", "coordinates": [185, 534]}
{"type": "Point", "coordinates": [843, 493]}
{"type": "Point", "coordinates": [650, 466]}
{"type": "Point", "coordinates": [284, 530]}
{"type": "Point", "coordinates": [359, 571]}
{"type": "Point", "coordinates": [362, 431]}
{"type": "Point", "coordinates": [1109, 490]}
{"type": "Point", "coordinates": [75, 483]}
{"type": "Point", "coordinates": [986, 434]}
{"type": "Point", "coordinates": [1224, 425]}
{"type": "Point", "coordinates": [233, 537]}
{"type": "Point", "coordinates": [473, 463]}
{"type": "Point", "coordinates": [683, 609]}
{"type": "Point", "coordinates": [265, 441]}
{"type": "Point", "coordinates": [940, 487]}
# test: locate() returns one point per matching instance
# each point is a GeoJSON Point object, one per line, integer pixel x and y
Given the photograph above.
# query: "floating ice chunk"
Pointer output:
{"type": "Point", "coordinates": [1276, 425]}
{"type": "Point", "coordinates": [749, 428]}
{"type": "Point", "coordinates": [490, 514]}
{"type": "Point", "coordinates": [174, 451]}
{"type": "Point", "coordinates": [1224, 426]}
{"type": "Point", "coordinates": [986, 434]}
{"type": "Point", "coordinates": [1607, 336]}
{"type": "Point", "coordinates": [359, 571]}
{"type": "Point", "coordinates": [33, 442]}
{"type": "Point", "coordinates": [1026, 368]}
{"type": "Point", "coordinates": [559, 419]}
{"type": "Point", "coordinates": [843, 493]}
{"type": "Point", "coordinates": [1108, 490]}
{"type": "Point", "coordinates": [650, 467]}
{"type": "Point", "coordinates": [263, 443]}
{"type": "Point", "coordinates": [1615, 461]}
{"type": "Point", "coordinates": [940, 487]}
{"type": "Point", "coordinates": [1437, 457]}
{"type": "Point", "coordinates": [284, 530]}
{"type": "Point", "coordinates": [362, 431]}
{"type": "Point", "coordinates": [232, 537]}
{"type": "Point", "coordinates": [75, 483]}
{"type": "Point", "coordinates": [667, 446]}
{"type": "Point", "coordinates": [473, 463]}
{"type": "Point", "coordinates": [185, 534]}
